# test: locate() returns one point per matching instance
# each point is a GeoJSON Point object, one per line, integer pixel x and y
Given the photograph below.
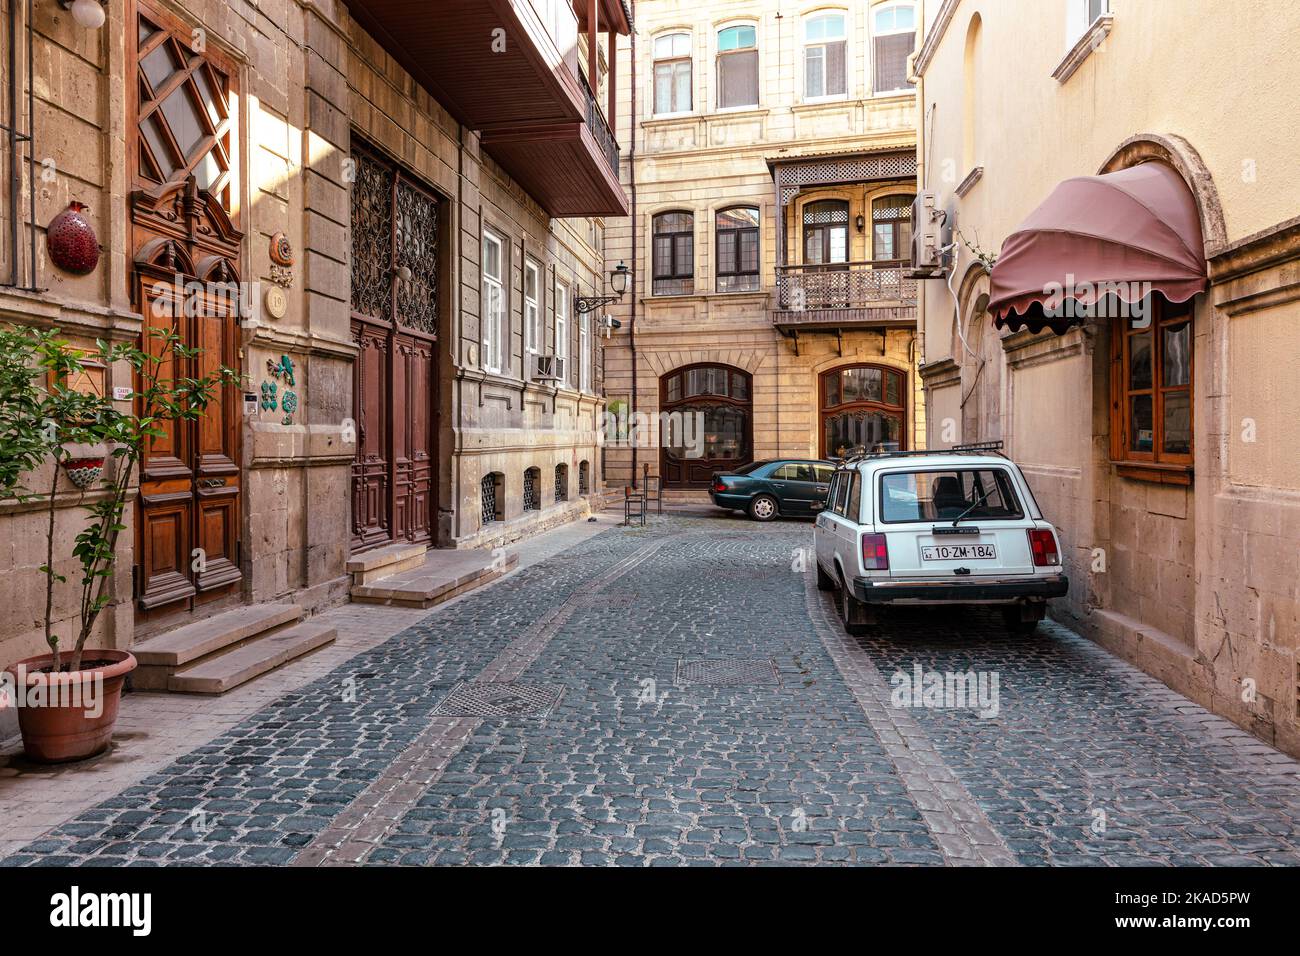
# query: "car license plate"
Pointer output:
{"type": "Point", "coordinates": [959, 552]}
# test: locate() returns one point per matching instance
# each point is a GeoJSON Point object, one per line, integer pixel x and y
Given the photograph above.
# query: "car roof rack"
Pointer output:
{"type": "Point", "coordinates": [860, 452]}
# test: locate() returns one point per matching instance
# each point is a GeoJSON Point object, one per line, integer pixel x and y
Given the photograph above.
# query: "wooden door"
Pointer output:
{"type": "Point", "coordinates": [396, 257]}
{"type": "Point", "coordinates": [709, 424]}
{"type": "Point", "coordinates": [183, 119]}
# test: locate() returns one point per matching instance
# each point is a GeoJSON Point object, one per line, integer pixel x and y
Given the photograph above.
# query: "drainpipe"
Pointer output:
{"type": "Point", "coordinates": [631, 176]}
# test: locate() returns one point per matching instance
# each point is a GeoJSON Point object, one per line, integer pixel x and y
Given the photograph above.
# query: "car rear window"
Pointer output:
{"type": "Point", "coordinates": [945, 494]}
{"type": "Point", "coordinates": [751, 467]}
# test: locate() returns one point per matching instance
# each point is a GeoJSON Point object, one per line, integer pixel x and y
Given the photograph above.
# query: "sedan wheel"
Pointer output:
{"type": "Point", "coordinates": [763, 508]}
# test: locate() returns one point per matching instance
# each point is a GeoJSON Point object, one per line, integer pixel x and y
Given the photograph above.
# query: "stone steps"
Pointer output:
{"type": "Point", "coordinates": [442, 575]}
{"type": "Point", "coordinates": [380, 563]}
{"type": "Point", "coordinates": [220, 672]}
{"type": "Point", "coordinates": [213, 655]}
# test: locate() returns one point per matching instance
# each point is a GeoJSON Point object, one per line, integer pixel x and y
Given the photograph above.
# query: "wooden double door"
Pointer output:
{"type": "Point", "coordinates": [186, 244]}
{"type": "Point", "coordinates": [397, 252]}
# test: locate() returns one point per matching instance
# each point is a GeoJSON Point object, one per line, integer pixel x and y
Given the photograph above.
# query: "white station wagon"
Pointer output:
{"type": "Point", "coordinates": [957, 526]}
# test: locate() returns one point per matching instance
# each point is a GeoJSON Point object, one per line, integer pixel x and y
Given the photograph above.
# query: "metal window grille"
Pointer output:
{"type": "Point", "coordinates": [489, 495]}
{"type": "Point", "coordinates": [530, 490]}
{"type": "Point", "coordinates": [561, 482]}
{"type": "Point", "coordinates": [584, 478]}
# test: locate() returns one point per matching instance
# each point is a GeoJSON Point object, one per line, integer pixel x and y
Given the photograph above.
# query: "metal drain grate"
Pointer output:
{"type": "Point", "coordinates": [760, 670]}
{"type": "Point", "coordinates": [499, 699]}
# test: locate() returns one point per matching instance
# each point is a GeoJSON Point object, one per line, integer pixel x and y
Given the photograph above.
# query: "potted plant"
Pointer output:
{"type": "Point", "coordinates": [67, 702]}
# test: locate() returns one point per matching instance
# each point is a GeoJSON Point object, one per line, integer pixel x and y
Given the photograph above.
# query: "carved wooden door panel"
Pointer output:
{"type": "Point", "coordinates": [396, 256]}
{"type": "Point", "coordinates": [186, 250]}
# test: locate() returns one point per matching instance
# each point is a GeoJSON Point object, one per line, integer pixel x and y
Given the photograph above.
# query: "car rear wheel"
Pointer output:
{"type": "Point", "coordinates": [824, 581]}
{"type": "Point", "coordinates": [855, 615]}
{"type": "Point", "coordinates": [1023, 619]}
{"type": "Point", "coordinates": [763, 508]}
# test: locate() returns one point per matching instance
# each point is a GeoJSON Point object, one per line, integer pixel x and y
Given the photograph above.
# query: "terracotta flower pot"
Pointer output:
{"type": "Point", "coordinates": [69, 716]}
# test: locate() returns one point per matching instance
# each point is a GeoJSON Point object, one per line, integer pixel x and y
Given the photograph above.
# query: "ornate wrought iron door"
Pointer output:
{"type": "Point", "coordinates": [396, 260]}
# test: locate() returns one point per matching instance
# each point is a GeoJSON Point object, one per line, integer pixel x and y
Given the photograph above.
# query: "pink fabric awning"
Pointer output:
{"type": "Point", "coordinates": [1096, 236]}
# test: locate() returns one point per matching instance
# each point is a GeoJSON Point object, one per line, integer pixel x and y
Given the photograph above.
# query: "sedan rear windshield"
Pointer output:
{"type": "Point", "coordinates": [946, 494]}
{"type": "Point", "coordinates": [751, 467]}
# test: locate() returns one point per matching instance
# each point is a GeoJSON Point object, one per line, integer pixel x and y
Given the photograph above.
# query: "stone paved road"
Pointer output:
{"type": "Point", "coordinates": [803, 757]}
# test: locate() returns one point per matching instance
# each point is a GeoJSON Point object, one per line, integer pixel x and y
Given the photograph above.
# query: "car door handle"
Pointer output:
{"type": "Point", "coordinates": [777, 484]}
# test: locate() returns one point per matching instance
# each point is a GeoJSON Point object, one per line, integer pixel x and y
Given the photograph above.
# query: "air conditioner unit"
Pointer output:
{"type": "Point", "coordinates": [547, 368]}
{"type": "Point", "coordinates": [926, 222]}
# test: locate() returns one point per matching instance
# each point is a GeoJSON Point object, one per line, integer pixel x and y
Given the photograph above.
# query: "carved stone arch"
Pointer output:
{"type": "Point", "coordinates": [1177, 152]}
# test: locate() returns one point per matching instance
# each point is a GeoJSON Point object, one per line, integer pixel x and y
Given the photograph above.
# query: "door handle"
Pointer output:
{"type": "Point", "coordinates": [212, 482]}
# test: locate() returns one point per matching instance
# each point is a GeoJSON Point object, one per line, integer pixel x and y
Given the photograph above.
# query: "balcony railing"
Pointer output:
{"type": "Point", "coordinates": [847, 285]}
{"type": "Point", "coordinates": [600, 130]}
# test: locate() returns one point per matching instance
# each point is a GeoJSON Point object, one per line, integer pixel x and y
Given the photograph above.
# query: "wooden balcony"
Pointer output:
{"type": "Point", "coordinates": [850, 295]}
{"type": "Point", "coordinates": [524, 92]}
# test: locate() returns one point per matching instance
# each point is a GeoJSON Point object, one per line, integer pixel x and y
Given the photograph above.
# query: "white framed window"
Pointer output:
{"type": "Point", "coordinates": [672, 73]}
{"type": "Point", "coordinates": [824, 56]}
{"type": "Point", "coordinates": [562, 327]}
{"type": "Point", "coordinates": [1080, 15]}
{"type": "Point", "coordinates": [893, 32]}
{"type": "Point", "coordinates": [495, 337]}
{"type": "Point", "coordinates": [584, 352]}
{"type": "Point", "coordinates": [532, 306]}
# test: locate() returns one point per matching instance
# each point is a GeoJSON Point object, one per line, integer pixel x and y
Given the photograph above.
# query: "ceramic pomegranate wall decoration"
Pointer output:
{"type": "Point", "coordinates": [71, 240]}
{"type": "Point", "coordinates": [83, 472]}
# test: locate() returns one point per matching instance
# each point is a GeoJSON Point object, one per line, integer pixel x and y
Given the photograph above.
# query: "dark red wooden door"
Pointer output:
{"type": "Point", "coordinates": [395, 276]}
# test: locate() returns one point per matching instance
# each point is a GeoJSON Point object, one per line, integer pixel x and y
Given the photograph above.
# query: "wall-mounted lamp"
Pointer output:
{"type": "Point", "coordinates": [87, 13]}
{"type": "Point", "coordinates": [618, 281]}
{"type": "Point", "coordinates": [862, 222]}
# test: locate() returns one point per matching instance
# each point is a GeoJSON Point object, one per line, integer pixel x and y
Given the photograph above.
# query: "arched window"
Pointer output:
{"type": "Point", "coordinates": [862, 405]}
{"type": "Point", "coordinates": [891, 228]}
{"type": "Point", "coordinates": [893, 31]}
{"type": "Point", "coordinates": [737, 66]}
{"type": "Point", "coordinates": [706, 424]}
{"type": "Point", "coordinates": [674, 253]}
{"type": "Point", "coordinates": [737, 262]}
{"type": "Point", "coordinates": [673, 73]}
{"type": "Point", "coordinates": [584, 477]}
{"type": "Point", "coordinates": [824, 71]}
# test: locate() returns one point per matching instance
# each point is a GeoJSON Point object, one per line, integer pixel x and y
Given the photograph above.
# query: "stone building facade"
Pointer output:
{"type": "Point", "coordinates": [1181, 550]}
{"type": "Point", "coordinates": [771, 164]}
{"type": "Point", "coordinates": [280, 146]}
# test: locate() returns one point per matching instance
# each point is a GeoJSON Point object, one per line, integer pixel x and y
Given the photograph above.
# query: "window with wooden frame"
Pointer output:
{"type": "Point", "coordinates": [1151, 389]}
{"type": "Point", "coordinates": [737, 236]}
{"type": "Point", "coordinates": [187, 114]}
{"type": "Point", "coordinates": [737, 67]}
{"type": "Point", "coordinates": [824, 56]}
{"type": "Point", "coordinates": [672, 71]}
{"type": "Point", "coordinates": [893, 31]}
{"type": "Point", "coordinates": [891, 228]}
{"type": "Point", "coordinates": [673, 253]}
{"type": "Point", "coordinates": [584, 352]}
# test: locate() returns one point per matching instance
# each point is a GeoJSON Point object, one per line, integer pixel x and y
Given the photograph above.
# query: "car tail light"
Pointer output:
{"type": "Point", "coordinates": [875, 552]}
{"type": "Point", "coordinates": [719, 485]}
{"type": "Point", "coordinates": [1042, 544]}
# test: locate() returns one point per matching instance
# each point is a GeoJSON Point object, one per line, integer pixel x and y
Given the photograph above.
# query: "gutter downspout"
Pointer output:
{"type": "Point", "coordinates": [631, 174]}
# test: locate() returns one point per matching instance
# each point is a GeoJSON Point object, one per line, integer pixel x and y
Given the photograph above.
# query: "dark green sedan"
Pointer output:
{"type": "Point", "coordinates": [795, 487]}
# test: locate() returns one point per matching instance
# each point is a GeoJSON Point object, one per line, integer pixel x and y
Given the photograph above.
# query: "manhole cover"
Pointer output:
{"type": "Point", "coordinates": [734, 671]}
{"type": "Point", "coordinates": [498, 699]}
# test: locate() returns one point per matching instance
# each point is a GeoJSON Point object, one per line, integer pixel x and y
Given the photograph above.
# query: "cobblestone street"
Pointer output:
{"type": "Point", "coordinates": [683, 694]}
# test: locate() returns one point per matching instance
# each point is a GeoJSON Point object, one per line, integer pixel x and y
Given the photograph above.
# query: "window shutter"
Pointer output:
{"type": "Point", "coordinates": [892, 52]}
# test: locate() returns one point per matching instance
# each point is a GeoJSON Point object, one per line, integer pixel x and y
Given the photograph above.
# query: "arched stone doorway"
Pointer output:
{"type": "Point", "coordinates": [706, 423]}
